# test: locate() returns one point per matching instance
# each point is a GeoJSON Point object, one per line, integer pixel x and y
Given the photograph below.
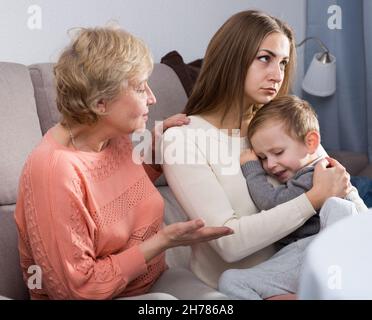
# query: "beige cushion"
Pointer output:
{"type": "Point", "coordinates": [20, 128]}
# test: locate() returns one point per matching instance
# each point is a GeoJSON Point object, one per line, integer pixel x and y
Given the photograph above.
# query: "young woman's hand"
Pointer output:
{"type": "Point", "coordinates": [247, 155]}
{"type": "Point", "coordinates": [181, 234]}
{"type": "Point", "coordinates": [330, 180]}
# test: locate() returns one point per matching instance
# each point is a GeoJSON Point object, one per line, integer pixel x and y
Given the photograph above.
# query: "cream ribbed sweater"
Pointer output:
{"type": "Point", "coordinates": [216, 191]}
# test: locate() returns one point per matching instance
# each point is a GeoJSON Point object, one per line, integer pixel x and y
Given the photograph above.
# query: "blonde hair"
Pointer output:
{"type": "Point", "coordinates": [296, 115]}
{"type": "Point", "coordinates": [96, 66]}
{"type": "Point", "coordinates": [229, 55]}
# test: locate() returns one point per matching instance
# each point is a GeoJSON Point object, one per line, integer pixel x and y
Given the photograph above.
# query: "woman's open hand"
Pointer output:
{"type": "Point", "coordinates": [191, 232]}
{"type": "Point", "coordinates": [330, 180]}
{"type": "Point", "coordinates": [181, 234]}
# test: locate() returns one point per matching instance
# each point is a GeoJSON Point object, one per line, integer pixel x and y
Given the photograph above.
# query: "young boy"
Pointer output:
{"type": "Point", "coordinates": [284, 135]}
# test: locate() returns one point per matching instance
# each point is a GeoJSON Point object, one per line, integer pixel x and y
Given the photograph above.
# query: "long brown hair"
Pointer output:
{"type": "Point", "coordinates": [220, 84]}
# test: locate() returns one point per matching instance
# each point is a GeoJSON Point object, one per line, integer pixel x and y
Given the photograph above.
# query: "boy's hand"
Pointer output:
{"type": "Point", "coordinates": [247, 155]}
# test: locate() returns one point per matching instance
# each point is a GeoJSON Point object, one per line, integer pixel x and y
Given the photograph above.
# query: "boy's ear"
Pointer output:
{"type": "Point", "coordinates": [312, 141]}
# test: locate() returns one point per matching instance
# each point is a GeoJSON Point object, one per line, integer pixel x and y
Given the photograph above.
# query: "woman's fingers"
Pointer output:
{"type": "Point", "coordinates": [322, 164]}
{"type": "Point", "coordinates": [195, 229]}
{"type": "Point", "coordinates": [333, 163]}
{"type": "Point", "coordinates": [179, 230]}
{"type": "Point", "coordinates": [349, 187]}
{"type": "Point", "coordinates": [211, 233]}
{"type": "Point", "coordinates": [176, 120]}
{"type": "Point", "coordinates": [191, 232]}
{"type": "Point", "coordinates": [192, 225]}
{"type": "Point", "coordinates": [331, 179]}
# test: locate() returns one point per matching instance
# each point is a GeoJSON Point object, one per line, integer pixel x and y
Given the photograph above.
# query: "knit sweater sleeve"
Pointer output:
{"type": "Point", "coordinates": [62, 236]}
{"type": "Point", "coordinates": [201, 194]}
{"type": "Point", "coordinates": [267, 196]}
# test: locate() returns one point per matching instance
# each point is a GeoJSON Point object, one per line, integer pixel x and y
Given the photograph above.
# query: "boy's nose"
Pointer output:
{"type": "Point", "coordinates": [271, 164]}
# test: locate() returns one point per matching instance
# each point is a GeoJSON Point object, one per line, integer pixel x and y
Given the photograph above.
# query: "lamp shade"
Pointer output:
{"type": "Point", "coordinates": [320, 78]}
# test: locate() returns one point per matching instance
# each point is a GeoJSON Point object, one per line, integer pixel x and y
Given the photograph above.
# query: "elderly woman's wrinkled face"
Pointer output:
{"type": "Point", "coordinates": [129, 111]}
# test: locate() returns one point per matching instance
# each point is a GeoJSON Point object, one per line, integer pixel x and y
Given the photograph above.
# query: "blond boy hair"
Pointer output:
{"type": "Point", "coordinates": [296, 115]}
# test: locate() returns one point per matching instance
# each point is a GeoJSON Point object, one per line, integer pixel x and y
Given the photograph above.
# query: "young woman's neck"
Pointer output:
{"type": "Point", "coordinates": [230, 121]}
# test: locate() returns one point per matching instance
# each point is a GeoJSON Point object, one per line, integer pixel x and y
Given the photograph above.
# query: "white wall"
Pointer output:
{"type": "Point", "coordinates": [165, 25]}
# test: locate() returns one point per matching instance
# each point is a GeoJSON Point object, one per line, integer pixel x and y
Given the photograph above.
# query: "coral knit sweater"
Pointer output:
{"type": "Point", "coordinates": [81, 217]}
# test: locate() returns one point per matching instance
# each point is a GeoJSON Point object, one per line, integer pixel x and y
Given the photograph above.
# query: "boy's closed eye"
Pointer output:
{"type": "Point", "coordinates": [278, 153]}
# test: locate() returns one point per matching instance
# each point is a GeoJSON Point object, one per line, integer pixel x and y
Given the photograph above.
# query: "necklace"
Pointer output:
{"type": "Point", "coordinates": [72, 137]}
{"type": "Point", "coordinates": [73, 142]}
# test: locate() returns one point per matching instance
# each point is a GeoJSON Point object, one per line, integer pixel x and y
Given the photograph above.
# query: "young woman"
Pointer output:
{"type": "Point", "coordinates": [249, 61]}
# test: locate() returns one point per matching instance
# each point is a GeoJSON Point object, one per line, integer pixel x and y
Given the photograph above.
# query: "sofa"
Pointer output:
{"type": "Point", "coordinates": [28, 110]}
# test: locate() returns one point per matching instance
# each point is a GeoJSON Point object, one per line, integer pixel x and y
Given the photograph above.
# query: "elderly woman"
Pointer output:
{"type": "Point", "coordinates": [87, 214]}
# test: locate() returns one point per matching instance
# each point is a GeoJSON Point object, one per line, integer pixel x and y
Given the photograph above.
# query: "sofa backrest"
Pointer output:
{"type": "Point", "coordinates": [20, 129]}
{"type": "Point", "coordinates": [20, 132]}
